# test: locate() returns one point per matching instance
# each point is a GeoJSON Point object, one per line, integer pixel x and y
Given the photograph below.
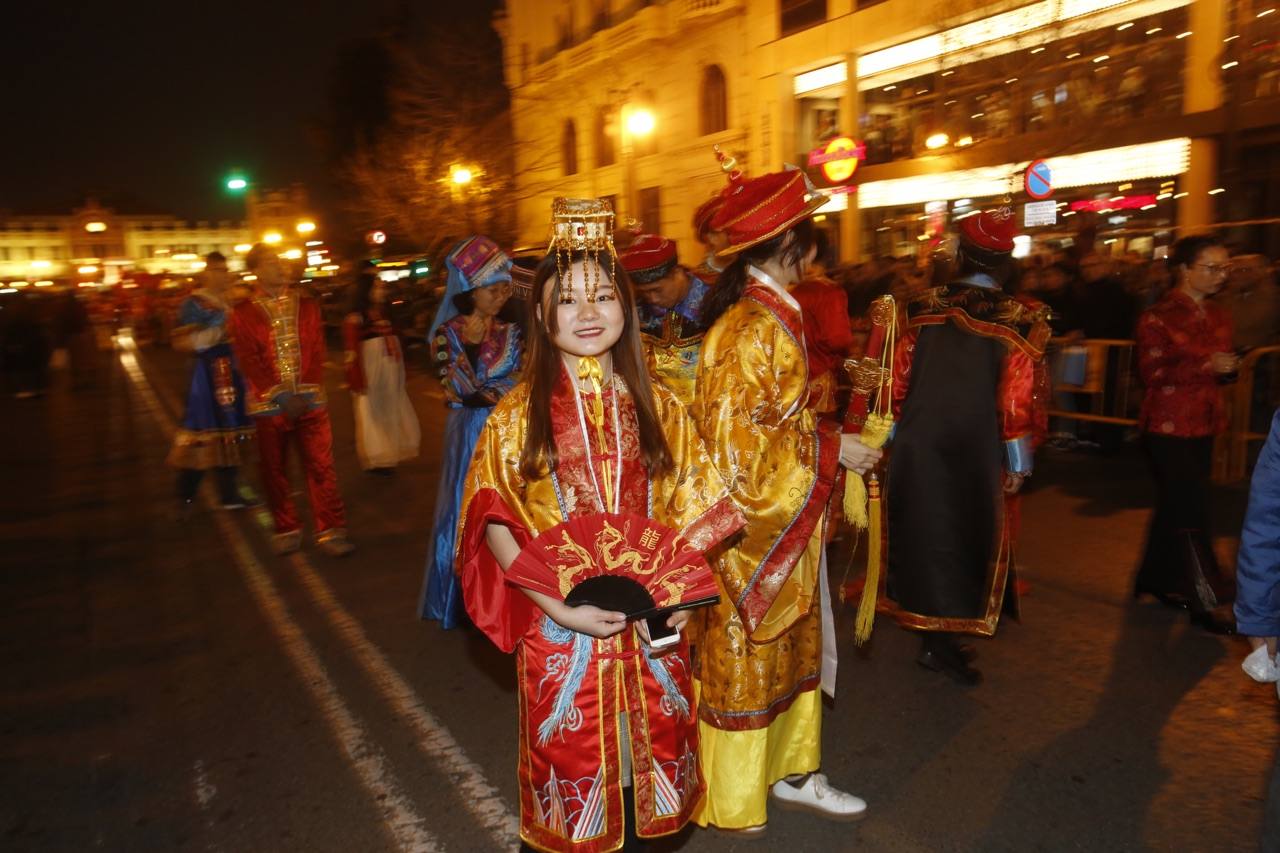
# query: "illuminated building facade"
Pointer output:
{"type": "Point", "coordinates": [97, 244]}
{"type": "Point", "coordinates": [1173, 103]}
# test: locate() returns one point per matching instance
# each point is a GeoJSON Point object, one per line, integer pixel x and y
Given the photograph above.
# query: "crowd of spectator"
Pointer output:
{"type": "Point", "coordinates": [1093, 296]}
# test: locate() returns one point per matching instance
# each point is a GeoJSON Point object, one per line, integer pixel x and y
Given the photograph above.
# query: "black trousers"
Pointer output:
{"type": "Point", "coordinates": [1179, 555]}
{"type": "Point", "coordinates": [228, 486]}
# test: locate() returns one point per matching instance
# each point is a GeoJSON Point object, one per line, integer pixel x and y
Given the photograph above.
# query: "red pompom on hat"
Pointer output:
{"type": "Point", "coordinates": [648, 258]}
{"type": "Point", "coordinates": [759, 209]}
{"type": "Point", "coordinates": [991, 230]}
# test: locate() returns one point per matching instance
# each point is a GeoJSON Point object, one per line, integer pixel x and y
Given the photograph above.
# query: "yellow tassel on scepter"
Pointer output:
{"type": "Point", "coordinates": [871, 590]}
{"type": "Point", "coordinates": [862, 505]}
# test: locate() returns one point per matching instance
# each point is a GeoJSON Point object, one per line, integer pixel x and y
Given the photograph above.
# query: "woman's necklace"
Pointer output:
{"type": "Point", "coordinates": [589, 368]}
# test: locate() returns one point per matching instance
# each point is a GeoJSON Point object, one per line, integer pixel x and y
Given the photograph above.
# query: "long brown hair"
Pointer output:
{"type": "Point", "coordinates": [539, 455]}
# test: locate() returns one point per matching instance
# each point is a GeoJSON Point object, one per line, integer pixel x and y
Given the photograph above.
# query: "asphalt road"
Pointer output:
{"type": "Point", "coordinates": [171, 685]}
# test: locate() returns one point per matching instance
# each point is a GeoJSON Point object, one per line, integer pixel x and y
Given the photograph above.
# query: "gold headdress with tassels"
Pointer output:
{"type": "Point", "coordinates": [581, 225]}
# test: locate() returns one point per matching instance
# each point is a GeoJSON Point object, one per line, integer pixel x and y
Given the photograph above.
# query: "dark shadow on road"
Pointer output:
{"type": "Point", "coordinates": [1155, 663]}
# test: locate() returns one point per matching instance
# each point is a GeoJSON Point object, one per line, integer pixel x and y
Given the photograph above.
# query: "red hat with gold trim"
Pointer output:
{"type": "Point", "coordinates": [990, 230]}
{"type": "Point", "coordinates": [759, 209]}
{"type": "Point", "coordinates": [648, 258]}
{"type": "Point", "coordinates": [705, 213]}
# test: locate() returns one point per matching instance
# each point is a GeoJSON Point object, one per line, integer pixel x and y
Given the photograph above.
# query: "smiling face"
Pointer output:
{"type": "Point", "coordinates": [583, 328]}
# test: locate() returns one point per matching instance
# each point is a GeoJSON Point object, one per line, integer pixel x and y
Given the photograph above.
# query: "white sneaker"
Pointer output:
{"type": "Point", "coordinates": [1260, 666]}
{"type": "Point", "coordinates": [816, 795]}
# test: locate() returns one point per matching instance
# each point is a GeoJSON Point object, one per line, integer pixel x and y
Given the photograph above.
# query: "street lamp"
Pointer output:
{"type": "Point", "coordinates": [460, 175]}
{"type": "Point", "coordinates": [306, 227]}
{"type": "Point", "coordinates": [640, 123]}
{"type": "Point", "coordinates": [637, 123]}
{"type": "Point", "coordinates": [272, 237]}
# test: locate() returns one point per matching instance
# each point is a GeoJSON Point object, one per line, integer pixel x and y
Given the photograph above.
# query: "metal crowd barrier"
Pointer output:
{"type": "Point", "coordinates": [1096, 380]}
{"type": "Point", "coordinates": [1250, 404]}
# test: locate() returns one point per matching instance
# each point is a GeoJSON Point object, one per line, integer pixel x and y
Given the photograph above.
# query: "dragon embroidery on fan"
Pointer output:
{"type": "Point", "coordinates": [630, 561]}
{"type": "Point", "coordinates": [576, 560]}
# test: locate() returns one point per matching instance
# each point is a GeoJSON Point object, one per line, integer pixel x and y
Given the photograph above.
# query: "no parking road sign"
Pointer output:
{"type": "Point", "coordinates": [1038, 180]}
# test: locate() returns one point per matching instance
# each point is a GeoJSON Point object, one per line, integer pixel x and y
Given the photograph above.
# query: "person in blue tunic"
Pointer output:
{"type": "Point", "coordinates": [215, 424]}
{"type": "Point", "coordinates": [477, 357]}
{"type": "Point", "coordinates": [1257, 606]}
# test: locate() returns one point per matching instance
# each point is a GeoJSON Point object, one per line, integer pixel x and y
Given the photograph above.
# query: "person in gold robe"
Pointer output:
{"type": "Point", "coordinates": [763, 652]}
{"type": "Point", "coordinates": [670, 301]}
{"type": "Point", "coordinates": [608, 744]}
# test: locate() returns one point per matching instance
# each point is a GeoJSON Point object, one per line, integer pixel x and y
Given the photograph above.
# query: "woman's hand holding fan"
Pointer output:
{"type": "Point", "coordinates": [615, 564]}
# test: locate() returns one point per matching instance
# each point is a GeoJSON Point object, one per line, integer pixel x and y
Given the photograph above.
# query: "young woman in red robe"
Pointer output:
{"type": "Point", "coordinates": [608, 729]}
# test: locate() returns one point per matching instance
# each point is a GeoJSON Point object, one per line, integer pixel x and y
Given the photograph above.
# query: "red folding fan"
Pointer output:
{"type": "Point", "coordinates": [625, 563]}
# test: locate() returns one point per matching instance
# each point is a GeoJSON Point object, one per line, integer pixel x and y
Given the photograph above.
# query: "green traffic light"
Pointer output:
{"type": "Point", "coordinates": [237, 184]}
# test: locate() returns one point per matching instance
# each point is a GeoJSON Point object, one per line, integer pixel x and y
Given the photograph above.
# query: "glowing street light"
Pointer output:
{"type": "Point", "coordinates": [272, 237]}
{"type": "Point", "coordinates": [641, 122]}
{"type": "Point", "coordinates": [637, 123]}
{"type": "Point", "coordinates": [241, 248]}
{"type": "Point", "coordinates": [936, 141]}
{"type": "Point", "coordinates": [460, 175]}
{"type": "Point", "coordinates": [306, 227]}
{"type": "Point", "coordinates": [95, 227]}
{"type": "Point", "coordinates": [88, 269]}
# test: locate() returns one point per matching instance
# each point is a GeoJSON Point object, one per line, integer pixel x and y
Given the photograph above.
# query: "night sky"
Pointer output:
{"type": "Point", "coordinates": [149, 105]}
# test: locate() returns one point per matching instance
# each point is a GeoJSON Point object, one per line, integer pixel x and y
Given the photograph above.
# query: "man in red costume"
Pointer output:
{"type": "Point", "coordinates": [279, 338]}
{"type": "Point", "coordinates": [828, 334]}
{"type": "Point", "coordinates": [965, 409]}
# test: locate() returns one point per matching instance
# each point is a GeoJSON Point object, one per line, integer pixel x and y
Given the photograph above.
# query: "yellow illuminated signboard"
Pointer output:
{"type": "Point", "coordinates": [839, 159]}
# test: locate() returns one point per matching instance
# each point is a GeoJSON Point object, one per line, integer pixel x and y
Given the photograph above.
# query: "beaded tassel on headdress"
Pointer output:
{"type": "Point", "coordinates": [581, 225]}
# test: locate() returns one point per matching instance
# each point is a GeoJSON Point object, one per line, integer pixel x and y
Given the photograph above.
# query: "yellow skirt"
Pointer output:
{"type": "Point", "coordinates": [741, 766]}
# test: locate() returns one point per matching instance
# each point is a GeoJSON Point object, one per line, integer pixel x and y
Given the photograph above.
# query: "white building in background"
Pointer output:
{"type": "Point", "coordinates": [1130, 101]}
{"type": "Point", "coordinates": [97, 244]}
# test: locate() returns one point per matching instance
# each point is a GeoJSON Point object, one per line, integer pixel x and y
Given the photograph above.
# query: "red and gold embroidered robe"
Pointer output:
{"type": "Point", "coordinates": [573, 687]}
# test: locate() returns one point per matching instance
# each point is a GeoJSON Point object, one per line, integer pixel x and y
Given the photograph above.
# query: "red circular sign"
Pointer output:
{"type": "Point", "coordinates": [1038, 180]}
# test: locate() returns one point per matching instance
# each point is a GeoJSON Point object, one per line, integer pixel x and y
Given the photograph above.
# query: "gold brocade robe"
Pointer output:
{"type": "Point", "coordinates": [759, 651]}
{"type": "Point", "coordinates": [570, 763]}
{"type": "Point", "coordinates": [673, 357]}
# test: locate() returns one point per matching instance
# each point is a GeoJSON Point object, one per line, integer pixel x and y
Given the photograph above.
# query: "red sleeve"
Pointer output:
{"type": "Point", "coordinates": [351, 351]}
{"type": "Point", "coordinates": [250, 345]}
{"type": "Point", "coordinates": [311, 339]}
{"type": "Point", "coordinates": [902, 358]}
{"type": "Point", "coordinates": [835, 332]}
{"type": "Point", "coordinates": [1042, 395]}
{"type": "Point", "coordinates": [1017, 396]}
{"type": "Point", "coordinates": [501, 611]}
{"type": "Point", "coordinates": [828, 451]}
